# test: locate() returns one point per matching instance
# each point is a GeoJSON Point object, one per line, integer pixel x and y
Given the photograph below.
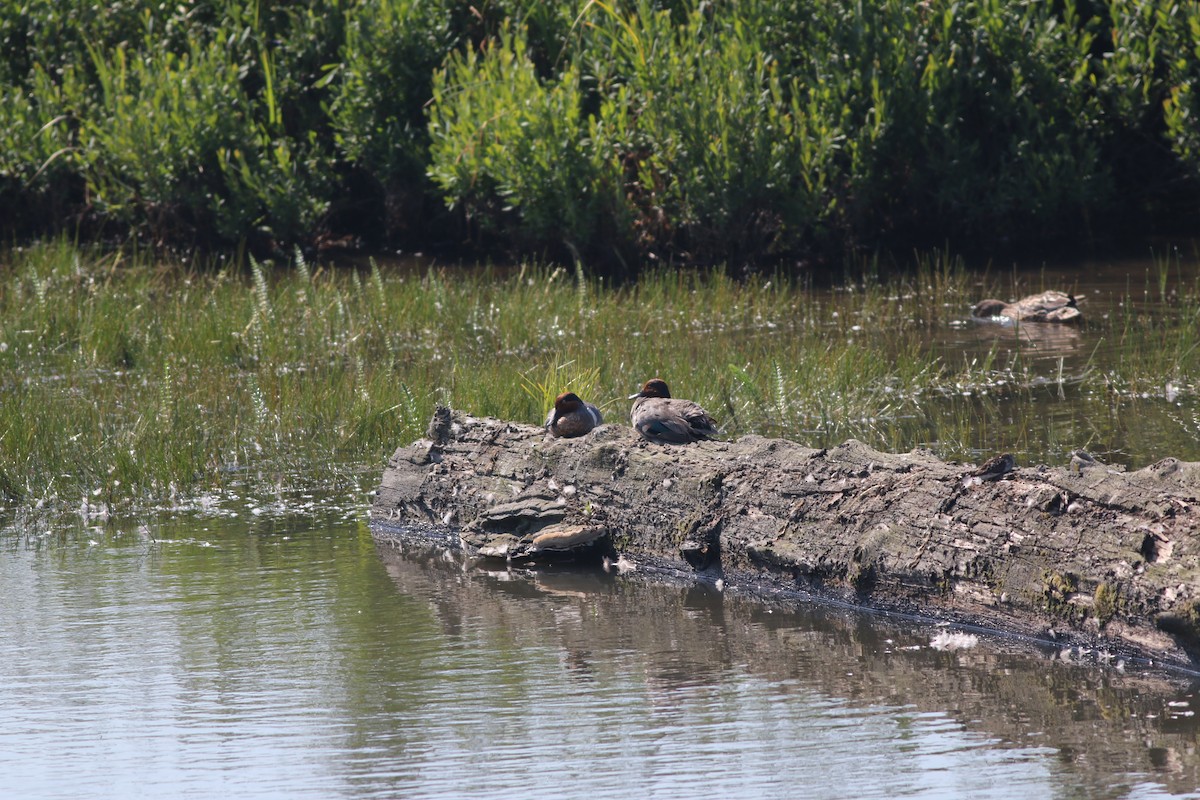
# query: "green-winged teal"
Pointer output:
{"type": "Point", "coordinates": [661, 418]}
{"type": "Point", "coordinates": [572, 417]}
{"type": "Point", "coordinates": [1051, 306]}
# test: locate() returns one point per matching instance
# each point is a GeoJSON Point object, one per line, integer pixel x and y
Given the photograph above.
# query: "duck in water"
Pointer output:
{"type": "Point", "coordinates": [1049, 306]}
{"type": "Point", "coordinates": [572, 417]}
{"type": "Point", "coordinates": [661, 418]}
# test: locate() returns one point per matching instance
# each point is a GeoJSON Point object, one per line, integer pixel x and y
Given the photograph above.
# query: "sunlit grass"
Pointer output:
{"type": "Point", "coordinates": [127, 383]}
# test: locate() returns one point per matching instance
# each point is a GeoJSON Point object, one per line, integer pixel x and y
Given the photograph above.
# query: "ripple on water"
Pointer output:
{"type": "Point", "coordinates": [300, 664]}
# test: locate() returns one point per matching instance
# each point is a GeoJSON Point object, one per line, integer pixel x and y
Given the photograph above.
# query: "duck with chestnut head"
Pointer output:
{"type": "Point", "coordinates": [572, 417]}
{"type": "Point", "coordinates": [661, 418]}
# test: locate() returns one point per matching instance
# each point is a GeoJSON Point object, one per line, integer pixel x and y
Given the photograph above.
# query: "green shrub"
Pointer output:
{"type": "Point", "coordinates": [749, 130]}
{"type": "Point", "coordinates": [961, 119]}
{"type": "Point", "coordinates": [685, 130]}
{"type": "Point", "coordinates": [518, 155]}
{"type": "Point", "coordinates": [38, 177]}
{"type": "Point", "coordinates": [723, 157]}
{"type": "Point", "coordinates": [179, 120]}
{"type": "Point", "coordinates": [176, 147]}
{"type": "Point", "coordinates": [392, 48]}
{"type": "Point", "coordinates": [1011, 145]}
{"type": "Point", "coordinates": [695, 144]}
{"type": "Point", "coordinates": [1155, 64]}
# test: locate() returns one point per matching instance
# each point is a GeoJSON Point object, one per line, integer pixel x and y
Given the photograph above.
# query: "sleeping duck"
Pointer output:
{"type": "Point", "coordinates": [1051, 306]}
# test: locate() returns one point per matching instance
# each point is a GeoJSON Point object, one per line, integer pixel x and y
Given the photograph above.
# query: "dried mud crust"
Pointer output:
{"type": "Point", "coordinates": [1086, 553]}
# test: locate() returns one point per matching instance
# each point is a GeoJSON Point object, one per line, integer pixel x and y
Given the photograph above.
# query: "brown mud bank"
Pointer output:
{"type": "Point", "coordinates": [1103, 562]}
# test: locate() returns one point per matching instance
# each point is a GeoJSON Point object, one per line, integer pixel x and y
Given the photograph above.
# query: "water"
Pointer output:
{"type": "Point", "coordinates": [260, 653]}
{"type": "Point", "coordinates": [294, 657]}
{"type": "Point", "coordinates": [1049, 409]}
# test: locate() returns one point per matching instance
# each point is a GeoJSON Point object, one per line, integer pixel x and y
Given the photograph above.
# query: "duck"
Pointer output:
{"type": "Point", "coordinates": [993, 469]}
{"type": "Point", "coordinates": [996, 467]}
{"type": "Point", "coordinates": [572, 417]}
{"type": "Point", "coordinates": [660, 418]}
{"type": "Point", "coordinates": [1051, 306]}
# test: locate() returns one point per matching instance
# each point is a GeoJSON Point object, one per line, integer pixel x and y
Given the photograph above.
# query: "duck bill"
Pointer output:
{"type": "Point", "coordinates": [635, 396]}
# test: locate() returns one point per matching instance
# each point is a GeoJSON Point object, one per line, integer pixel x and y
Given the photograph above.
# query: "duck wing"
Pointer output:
{"type": "Point", "coordinates": [698, 420]}
{"type": "Point", "coordinates": [662, 419]}
{"type": "Point", "coordinates": [676, 430]}
{"type": "Point", "coordinates": [1051, 306]}
{"type": "Point", "coordinates": [1064, 314]}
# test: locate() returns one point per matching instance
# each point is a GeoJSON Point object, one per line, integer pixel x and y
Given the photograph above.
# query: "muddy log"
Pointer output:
{"type": "Point", "coordinates": [1103, 561]}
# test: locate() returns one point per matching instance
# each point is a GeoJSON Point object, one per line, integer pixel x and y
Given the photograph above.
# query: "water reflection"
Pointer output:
{"type": "Point", "coordinates": [1034, 341]}
{"type": "Point", "coordinates": [837, 693]}
{"type": "Point", "coordinates": [1039, 407]}
{"type": "Point", "coordinates": [215, 658]}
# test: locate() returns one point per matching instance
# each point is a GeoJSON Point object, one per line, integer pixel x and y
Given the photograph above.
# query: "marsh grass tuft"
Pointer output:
{"type": "Point", "coordinates": [135, 384]}
{"type": "Point", "coordinates": [556, 378]}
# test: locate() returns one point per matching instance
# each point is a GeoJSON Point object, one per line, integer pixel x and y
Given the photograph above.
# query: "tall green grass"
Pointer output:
{"type": "Point", "coordinates": [127, 382]}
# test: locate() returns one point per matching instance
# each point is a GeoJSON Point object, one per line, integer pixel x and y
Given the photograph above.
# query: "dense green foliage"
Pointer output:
{"type": "Point", "coordinates": [132, 383]}
{"type": "Point", "coordinates": [622, 131]}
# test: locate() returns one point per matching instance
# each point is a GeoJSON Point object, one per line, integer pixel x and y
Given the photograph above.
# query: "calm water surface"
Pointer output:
{"type": "Point", "coordinates": [1048, 411]}
{"type": "Point", "coordinates": [297, 658]}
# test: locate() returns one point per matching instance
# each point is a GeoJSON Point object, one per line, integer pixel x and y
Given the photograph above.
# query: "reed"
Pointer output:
{"type": "Point", "coordinates": [129, 383]}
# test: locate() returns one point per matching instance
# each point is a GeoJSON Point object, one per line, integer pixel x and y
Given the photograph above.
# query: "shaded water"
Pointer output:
{"type": "Point", "coordinates": [291, 657]}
